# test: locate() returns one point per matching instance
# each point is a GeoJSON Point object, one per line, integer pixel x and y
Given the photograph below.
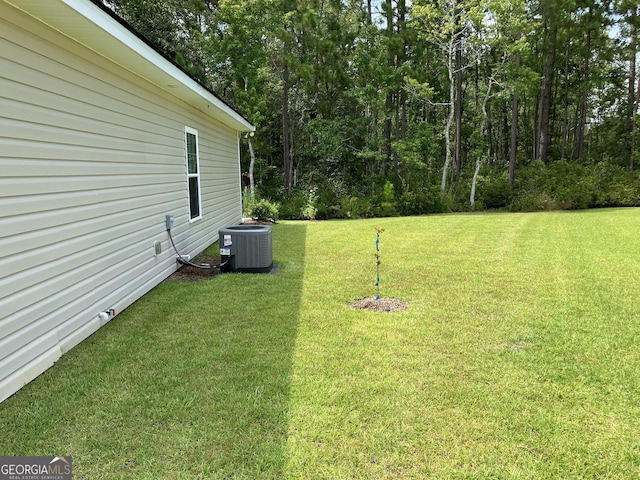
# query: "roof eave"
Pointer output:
{"type": "Point", "coordinates": [91, 24]}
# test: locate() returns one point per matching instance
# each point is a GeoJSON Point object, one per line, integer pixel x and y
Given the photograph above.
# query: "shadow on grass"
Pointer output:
{"type": "Point", "coordinates": [191, 381]}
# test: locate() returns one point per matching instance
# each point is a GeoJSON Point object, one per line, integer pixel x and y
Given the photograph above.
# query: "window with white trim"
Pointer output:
{"type": "Point", "coordinates": [193, 172]}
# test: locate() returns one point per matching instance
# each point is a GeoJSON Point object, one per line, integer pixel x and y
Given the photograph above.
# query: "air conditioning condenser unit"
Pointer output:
{"type": "Point", "coordinates": [246, 248]}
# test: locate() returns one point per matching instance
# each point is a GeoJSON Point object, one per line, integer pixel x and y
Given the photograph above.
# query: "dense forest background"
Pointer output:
{"type": "Point", "coordinates": [373, 108]}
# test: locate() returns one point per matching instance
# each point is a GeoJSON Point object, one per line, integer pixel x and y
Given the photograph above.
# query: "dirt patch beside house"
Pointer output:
{"type": "Point", "coordinates": [187, 273]}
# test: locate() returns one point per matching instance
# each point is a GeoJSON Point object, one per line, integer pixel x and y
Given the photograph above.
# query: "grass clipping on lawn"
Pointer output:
{"type": "Point", "coordinates": [380, 305]}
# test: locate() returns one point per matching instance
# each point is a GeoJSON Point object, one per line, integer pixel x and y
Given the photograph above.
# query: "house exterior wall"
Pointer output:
{"type": "Point", "coordinates": [92, 158]}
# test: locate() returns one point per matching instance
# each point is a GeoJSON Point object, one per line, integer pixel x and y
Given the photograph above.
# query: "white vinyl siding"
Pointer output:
{"type": "Point", "coordinates": [91, 160]}
{"type": "Point", "coordinates": [193, 173]}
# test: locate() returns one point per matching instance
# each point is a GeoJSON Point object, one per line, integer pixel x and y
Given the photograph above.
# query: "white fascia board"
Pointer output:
{"type": "Point", "coordinates": [87, 24]}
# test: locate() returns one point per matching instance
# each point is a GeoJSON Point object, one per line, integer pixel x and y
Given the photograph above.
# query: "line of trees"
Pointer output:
{"type": "Point", "coordinates": [368, 107]}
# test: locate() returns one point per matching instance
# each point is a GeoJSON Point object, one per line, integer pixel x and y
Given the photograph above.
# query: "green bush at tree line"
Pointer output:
{"type": "Point", "coordinates": [553, 186]}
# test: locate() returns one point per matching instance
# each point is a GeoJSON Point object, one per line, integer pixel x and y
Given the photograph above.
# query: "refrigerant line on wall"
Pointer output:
{"type": "Point", "coordinates": [185, 261]}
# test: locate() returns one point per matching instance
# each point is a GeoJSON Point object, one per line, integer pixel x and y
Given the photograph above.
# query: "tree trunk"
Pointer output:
{"type": "Point", "coordinates": [513, 144]}
{"type": "Point", "coordinates": [502, 142]}
{"type": "Point", "coordinates": [388, 124]}
{"type": "Point", "coordinates": [286, 147]}
{"type": "Point", "coordinates": [513, 147]}
{"type": "Point", "coordinates": [536, 127]}
{"type": "Point", "coordinates": [472, 197]}
{"type": "Point", "coordinates": [450, 118]}
{"type": "Point", "coordinates": [544, 139]}
{"type": "Point", "coordinates": [400, 95]}
{"type": "Point", "coordinates": [396, 136]}
{"type": "Point", "coordinates": [389, 102]}
{"type": "Point", "coordinates": [584, 98]}
{"type": "Point", "coordinates": [252, 163]}
{"type": "Point", "coordinates": [402, 11]}
{"type": "Point", "coordinates": [457, 157]}
{"type": "Point", "coordinates": [483, 127]}
{"type": "Point", "coordinates": [631, 96]}
{"type": "Point", "coordinates": [634, 133]}
{"type": "Point", "coordinates": [565, 108]}
{"type": "Point", "coordinates": [450, 49]}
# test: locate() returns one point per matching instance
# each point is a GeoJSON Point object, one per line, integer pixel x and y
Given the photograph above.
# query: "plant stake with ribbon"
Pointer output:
{"type": "Point", "coordinates": [377, 255]}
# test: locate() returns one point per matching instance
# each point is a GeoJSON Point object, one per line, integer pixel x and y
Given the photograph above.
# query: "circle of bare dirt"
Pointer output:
{"type": "Point", "coordinates": [382, 304]}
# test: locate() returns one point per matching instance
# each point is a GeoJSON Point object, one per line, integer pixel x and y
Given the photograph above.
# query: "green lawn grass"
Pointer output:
{"type": "Point", "coordinates": [517, 358]}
